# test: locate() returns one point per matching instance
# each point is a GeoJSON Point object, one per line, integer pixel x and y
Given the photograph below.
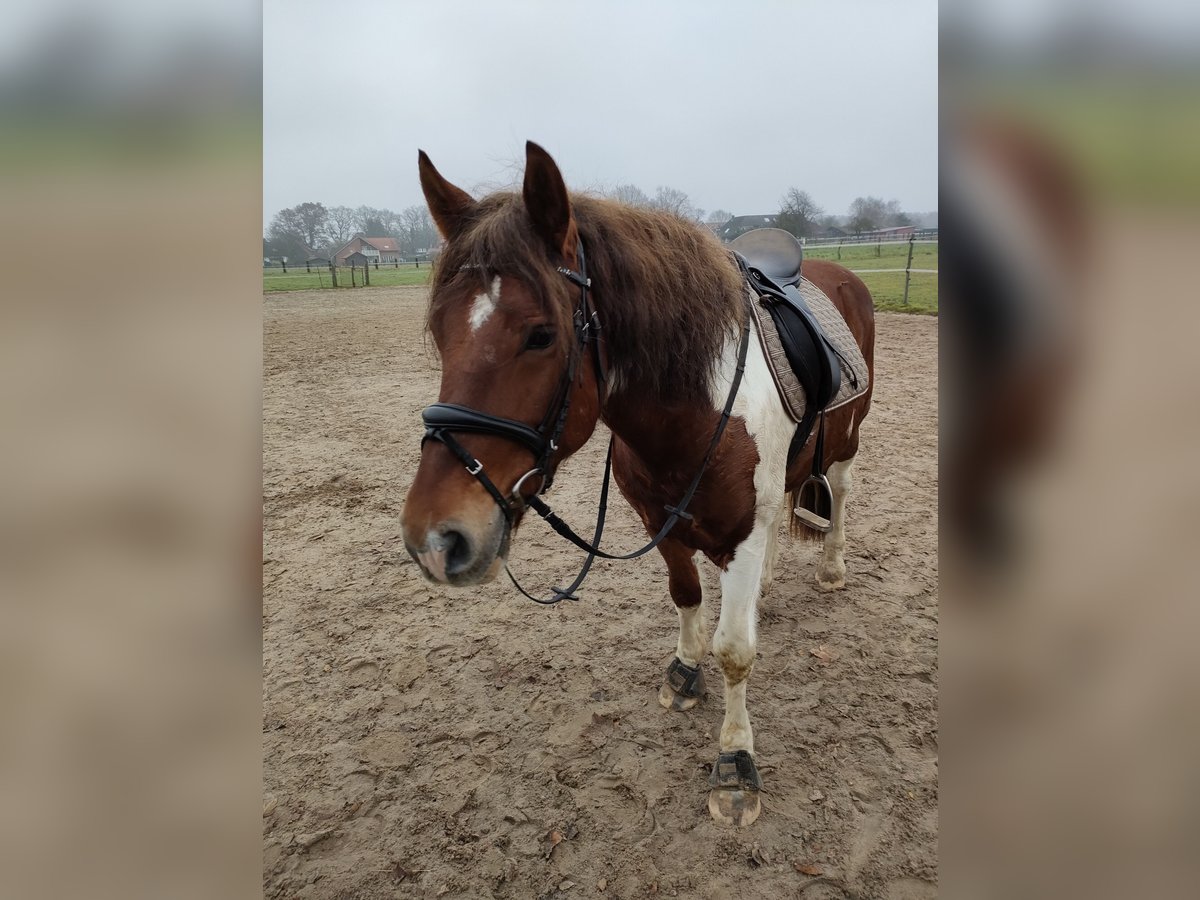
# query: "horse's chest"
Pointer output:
{"type": "Point", "coordinates": [722, 511]}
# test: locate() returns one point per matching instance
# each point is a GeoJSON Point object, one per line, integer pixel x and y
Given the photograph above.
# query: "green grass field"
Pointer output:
{"type": "Point", "coordinates": [887, 288]}
{"type": "Point", "coordinates": [299, 280]}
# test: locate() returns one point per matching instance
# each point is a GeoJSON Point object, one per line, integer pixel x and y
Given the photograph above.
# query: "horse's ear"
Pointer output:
{"type": "Point", "coordinates": [546, 199]}
{"type": "Point", "coordinates": [449, 205]}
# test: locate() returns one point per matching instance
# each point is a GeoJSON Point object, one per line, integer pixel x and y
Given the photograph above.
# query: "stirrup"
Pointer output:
{"type": "Point", "coordinates": [815, 497]}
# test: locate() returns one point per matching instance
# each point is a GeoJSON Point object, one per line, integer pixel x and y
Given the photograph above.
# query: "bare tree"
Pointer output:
{"type": "Point", "coordinates": [374, 222]}
{"type": "Point", "coordinates": [718, 217]}
{"type": "Point", "coordinates": [628, 193]}
{"type": "Point", "coordinates": [894, 216]}
{"type": "Point", "coordinates": [867, 214]}
{"type": "Point", "coordinates": [341, 225]}
{"type": "Point", "coordinates": [827, 221]}
{"type": "Point", "coordinates": [798, 213]}
{"type": "Point", "coordinates": [675, 201]}
{"type": "Point", "coordinates": [306, 223]}
{"type": "Point", "coordinates": [418, 228]}
{"type": "Point", "coordinates": [870, 213]}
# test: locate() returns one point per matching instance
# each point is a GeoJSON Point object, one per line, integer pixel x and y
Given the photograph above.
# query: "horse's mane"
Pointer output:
{"type": "Point", "coordinates": [667, 291]}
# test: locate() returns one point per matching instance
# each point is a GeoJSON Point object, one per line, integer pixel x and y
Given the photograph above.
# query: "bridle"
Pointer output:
{"type": "Point", "coordinates": [444, 420]}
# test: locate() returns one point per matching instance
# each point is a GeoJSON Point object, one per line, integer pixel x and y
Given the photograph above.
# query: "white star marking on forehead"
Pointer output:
{"type": "Point", "coordinates": [485, 305]}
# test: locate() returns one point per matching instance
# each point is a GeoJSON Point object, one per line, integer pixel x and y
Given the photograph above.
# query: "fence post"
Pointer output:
{"type": "Point", "coordinates": [839, 251]}
{"type": "Point", "coordinates": [333, 272]}
{"type": "Point", "coordinates": [367, 274]}
{"type": "Point", "coordinates": [908, 268]}
{"type": "Point", "coordinates": [284, 266]}
{"type": "Point", "coordinates": [308, 267]}
{"type": "Point", "coordinates": [353, 274]}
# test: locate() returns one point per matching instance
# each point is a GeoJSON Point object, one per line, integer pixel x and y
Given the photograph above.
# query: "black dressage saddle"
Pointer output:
{"type": "Point", "coordinates": [771, 260]}
{"type": "Point", "coordinates": [773, 251]}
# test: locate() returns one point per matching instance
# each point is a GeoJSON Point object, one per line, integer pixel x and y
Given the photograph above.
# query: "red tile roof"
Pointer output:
{"type": "Point", "coordinates": [385, 244]}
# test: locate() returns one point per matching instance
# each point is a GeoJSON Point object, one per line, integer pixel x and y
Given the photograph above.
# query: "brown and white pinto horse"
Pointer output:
{"type": "Point", "coordinates": [670, 302]}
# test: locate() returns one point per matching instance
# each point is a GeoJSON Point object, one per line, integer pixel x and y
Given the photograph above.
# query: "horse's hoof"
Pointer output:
{"type": "Point", "coordinates": [831, 580]}
{"type": "Point", "coordinates": [735, 784]}
{"type": "Point", "coordinates": [682, 688]}
{"type": "Point", "coordinates": [737, 808]}
{"type": "Point", "coordinates": [668, 699]}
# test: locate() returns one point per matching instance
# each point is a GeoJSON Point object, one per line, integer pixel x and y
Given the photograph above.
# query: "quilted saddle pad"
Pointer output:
{"type": "Point", "coordinates": [855, 377]}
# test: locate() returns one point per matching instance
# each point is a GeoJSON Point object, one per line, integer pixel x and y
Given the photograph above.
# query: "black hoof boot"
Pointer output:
{"type": "Point", "coordinates": [683, 687]}
{"type": "Point", "coordinates": [735, 785]}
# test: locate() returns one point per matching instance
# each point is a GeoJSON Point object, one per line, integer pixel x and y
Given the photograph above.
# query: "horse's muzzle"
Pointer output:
{"type": "Point", "coordinates": [451, 553]}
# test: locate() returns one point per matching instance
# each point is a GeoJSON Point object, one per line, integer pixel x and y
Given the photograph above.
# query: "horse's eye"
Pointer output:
{"type": "Point", "coordinates": [540, 338]}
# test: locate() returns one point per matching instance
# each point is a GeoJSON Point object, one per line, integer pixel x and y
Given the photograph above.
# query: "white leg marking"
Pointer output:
{"type": "Point", "coordinates": [485, 305]}
{"type": "Point", "coordinates": [735, 641]}
{"type": "Point", "coordinates": [692, 639]}
{"type": "Point", "coordinates": [831, 571]}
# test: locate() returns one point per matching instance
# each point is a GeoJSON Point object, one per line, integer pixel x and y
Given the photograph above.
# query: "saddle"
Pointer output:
{"type": "Point", "coordinates": [773, 251]}
{"type": "Point", "coordinates": [771, 259]}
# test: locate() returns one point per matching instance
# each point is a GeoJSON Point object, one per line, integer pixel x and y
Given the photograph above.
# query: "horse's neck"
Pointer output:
{"type": "Point", "coordinates": [668, 438]}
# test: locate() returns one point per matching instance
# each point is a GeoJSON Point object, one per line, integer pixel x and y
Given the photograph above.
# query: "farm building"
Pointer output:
{"type": "Point", "coordinates": [356, 259]}
{"type": "Point", "coordinates": [376, 249]}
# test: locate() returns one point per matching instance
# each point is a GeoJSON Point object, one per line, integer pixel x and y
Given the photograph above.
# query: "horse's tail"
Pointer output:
{"type": "Point", "coordinates": [797, 527]}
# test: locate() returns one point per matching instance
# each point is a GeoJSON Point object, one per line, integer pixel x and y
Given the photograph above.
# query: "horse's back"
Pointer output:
{"type": "Point", "coordinates": [852, 299]}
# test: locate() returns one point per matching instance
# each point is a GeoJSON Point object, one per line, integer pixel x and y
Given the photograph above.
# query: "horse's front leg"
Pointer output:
{"type": "Point", "coordinates": [735, 781]}
{"type": "Point", "coordinates": [683, 685]}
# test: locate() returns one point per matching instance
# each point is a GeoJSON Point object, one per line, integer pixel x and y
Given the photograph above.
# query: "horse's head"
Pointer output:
{"type": "Point", "coordinates": [519, 390]}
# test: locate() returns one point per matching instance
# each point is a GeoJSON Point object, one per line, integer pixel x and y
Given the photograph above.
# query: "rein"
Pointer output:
{"type": "Point", "coordinates": [442, 420]}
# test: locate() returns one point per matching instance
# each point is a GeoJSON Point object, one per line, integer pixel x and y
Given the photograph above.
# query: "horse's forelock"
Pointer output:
{"type": "Point", "coordinates": [498, 241]}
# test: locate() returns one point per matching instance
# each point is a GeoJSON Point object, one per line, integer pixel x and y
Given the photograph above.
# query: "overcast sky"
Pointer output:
{"type": "Point", "coordinates": [730, 102]}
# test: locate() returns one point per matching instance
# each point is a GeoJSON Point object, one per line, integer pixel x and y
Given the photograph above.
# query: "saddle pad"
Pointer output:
{"type": "Point", "coordinates": [855, 377]}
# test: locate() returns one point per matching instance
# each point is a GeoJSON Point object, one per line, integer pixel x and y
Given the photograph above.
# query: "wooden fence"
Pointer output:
{"type": "Point", "coordinates": [854, 262]}
{"type": "Point", "coordinates": [341, 275]}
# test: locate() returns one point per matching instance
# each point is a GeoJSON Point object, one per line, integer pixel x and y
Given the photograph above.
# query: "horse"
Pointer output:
{"type": "Point", "coordinates": [553, 311]}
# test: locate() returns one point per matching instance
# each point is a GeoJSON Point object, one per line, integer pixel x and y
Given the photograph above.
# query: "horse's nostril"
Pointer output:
{"type": "Point", "coordinates": [458, 552]}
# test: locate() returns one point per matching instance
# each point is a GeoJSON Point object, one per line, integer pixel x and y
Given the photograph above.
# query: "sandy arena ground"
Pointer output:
{"type": "Point", "coordinates": [422, 742]}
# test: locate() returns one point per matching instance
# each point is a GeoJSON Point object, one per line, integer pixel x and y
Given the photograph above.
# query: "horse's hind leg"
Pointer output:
{"type": "Point", "coordinates": [684, 683]}
{"type": "Point", "coordinates": [768, 575]}
{"type": "Point", "coordinates": [831, 571]}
